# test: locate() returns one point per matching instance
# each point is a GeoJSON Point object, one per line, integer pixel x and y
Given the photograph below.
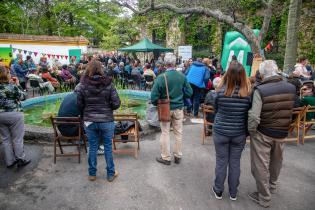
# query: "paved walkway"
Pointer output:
{"type": "Point", "coordinates": [145, 184]}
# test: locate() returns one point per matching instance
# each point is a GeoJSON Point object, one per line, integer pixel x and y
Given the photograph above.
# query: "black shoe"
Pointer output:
{"type": "Point", "coordinates": [13, 164]}
{"type": "Point", "coordinates": [161, 160]}
{"type": "Point", "coordinates": [22, 163]}
{"type": "Point", "coordinates": [177, 160]}
{"type": "Point", "coordinates": [218, 195]}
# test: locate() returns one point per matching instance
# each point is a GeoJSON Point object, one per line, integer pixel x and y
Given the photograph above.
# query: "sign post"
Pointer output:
{"type": "Point", "coordinates": [185, 52]}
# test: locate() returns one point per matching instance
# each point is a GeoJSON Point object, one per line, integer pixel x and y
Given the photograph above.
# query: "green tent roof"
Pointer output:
{"type": "Point", "coordinates": [145, 45]}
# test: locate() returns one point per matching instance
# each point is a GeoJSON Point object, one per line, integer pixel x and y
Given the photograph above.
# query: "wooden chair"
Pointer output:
{"type": "Point", "coordinates": [298, 115]}
{"type": "Point", "coordinates": [132, 134]}
{"type": "Point", "coordinates": [71, 140]}
{"type": "Point", "coordinates": [206, 109]}
{"type": "Point", "coordinates": [307, 124]}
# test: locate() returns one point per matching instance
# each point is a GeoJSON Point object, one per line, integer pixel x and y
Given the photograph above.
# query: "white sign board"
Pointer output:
{"type": "Point", "coordinates": [185, 52]}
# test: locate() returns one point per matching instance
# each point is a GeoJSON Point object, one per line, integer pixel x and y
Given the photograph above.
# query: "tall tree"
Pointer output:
{"type": "Point", "coordinates": [292, 35]}
{"type": "Point", "coordinates": [223, 11]}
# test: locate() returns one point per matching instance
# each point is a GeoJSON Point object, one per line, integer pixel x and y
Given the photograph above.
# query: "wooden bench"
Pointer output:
{"type": "Point", "coordinates": [132, 134]}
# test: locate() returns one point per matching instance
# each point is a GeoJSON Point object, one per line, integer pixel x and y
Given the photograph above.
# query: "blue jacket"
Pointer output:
{"type": "Point", "coordinates": [198, 74]}
{"type": "Point", "coordinates": [69, 108]}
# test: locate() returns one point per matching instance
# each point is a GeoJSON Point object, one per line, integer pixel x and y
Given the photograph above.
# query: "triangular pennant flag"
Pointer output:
{"type": "Point", "coordinates": [58, 56]}
{"type": "Point", "coordinates": [25, 51]}
{"type": "Point", "coordinates": [66, 56]}
{"type": "Point", "coordinates": [35, 53]}
{"type": "Point", "coordinates": [61, 56]}
{"type": "Point", "coordinates": [19, 50]}
{"type": "Point", "coordinates": [14, 49]}
{"type": "Point", "coordinates": [43, 54]}
{"type": "Point", "coordinates": [48, 55]}
{"type": "Point", "coordinates": [30, 53]}
{"type": "Point", "coordinates": [75, 57]}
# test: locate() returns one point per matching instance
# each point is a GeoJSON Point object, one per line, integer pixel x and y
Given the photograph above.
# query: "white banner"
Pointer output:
{"type": "Point", "coordinates": [185, 52]}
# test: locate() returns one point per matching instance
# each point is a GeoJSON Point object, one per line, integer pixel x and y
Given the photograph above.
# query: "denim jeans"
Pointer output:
{"type": "Point", "coordinates": [104, 131]}
{"type": "Point", "coordinates": [195, 100]}
{"type": "Point", "coordinates": [228, 154]}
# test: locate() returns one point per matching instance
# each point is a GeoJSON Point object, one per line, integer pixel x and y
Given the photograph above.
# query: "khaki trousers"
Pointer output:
{"type": "Point", "coordinates": [266, 161]}
{"type": "Point", "coordinates": [177, 116]}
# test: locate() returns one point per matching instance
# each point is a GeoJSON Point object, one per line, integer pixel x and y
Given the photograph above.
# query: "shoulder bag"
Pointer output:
{"type": "Point", "coordinates": [163, 106]}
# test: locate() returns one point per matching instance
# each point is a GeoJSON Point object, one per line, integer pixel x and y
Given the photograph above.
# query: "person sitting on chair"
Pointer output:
{"type": "Point", "coordinates": [149, 72]}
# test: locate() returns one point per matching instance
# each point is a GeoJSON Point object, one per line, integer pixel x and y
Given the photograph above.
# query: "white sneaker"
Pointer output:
{"type": "Point", "coordinates": [100, 150]}
{"type": "Point", "coordinates": [233, 198]}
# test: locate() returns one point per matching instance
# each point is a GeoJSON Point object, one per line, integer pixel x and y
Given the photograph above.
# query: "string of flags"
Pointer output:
{"type": "Point", "coordinates": [49, 55]}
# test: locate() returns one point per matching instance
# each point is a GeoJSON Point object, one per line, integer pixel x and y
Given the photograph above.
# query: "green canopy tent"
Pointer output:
{"type": "Point", "coordinates": [145, 45]}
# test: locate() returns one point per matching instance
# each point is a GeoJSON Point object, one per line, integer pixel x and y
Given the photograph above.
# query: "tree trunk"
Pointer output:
{"type": "Point", "coordinates": [48, 16]}
{"type": "Point", "coordinates": [292, 36]}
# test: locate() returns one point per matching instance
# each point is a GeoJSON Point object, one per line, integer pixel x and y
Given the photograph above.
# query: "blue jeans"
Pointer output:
{"type": "Point", "coordinates": [195, 100]}
{"type": "Point", "coordinates": [104, 131]}
{"type": "Point", "coordinates": [228, 154]}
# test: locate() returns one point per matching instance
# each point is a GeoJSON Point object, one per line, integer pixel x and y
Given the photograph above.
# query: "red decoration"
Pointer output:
{"type": "Point", "coordinates": [58, 56]}
{"type": "Point", "coordinates": [48, 55]}
{"type": "Point", "coordinates": [66, 56]}
{"type": "Point", "coordinates": [35, 53]}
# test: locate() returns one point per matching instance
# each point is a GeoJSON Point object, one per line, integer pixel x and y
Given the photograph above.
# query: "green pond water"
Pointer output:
{"type": "Point", "coordinates": [39, 114]}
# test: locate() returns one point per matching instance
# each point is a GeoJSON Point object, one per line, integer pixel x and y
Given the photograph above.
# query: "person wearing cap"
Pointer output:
{"type": "Point", "coordinates": [268, 124]}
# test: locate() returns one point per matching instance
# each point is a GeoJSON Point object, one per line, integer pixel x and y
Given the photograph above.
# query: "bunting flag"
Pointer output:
{"type": "Point", "coordinates": [49, 55]}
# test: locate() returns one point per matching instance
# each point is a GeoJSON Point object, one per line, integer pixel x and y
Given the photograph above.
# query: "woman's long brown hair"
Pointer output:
{"type": "Point", "coordinates": [94, 68]}
{"type": "Point", "coordinates": [235, 76]}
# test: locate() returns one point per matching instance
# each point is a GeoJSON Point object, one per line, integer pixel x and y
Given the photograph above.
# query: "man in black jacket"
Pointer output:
{"type": "Point", "coordinates": [97, 98]}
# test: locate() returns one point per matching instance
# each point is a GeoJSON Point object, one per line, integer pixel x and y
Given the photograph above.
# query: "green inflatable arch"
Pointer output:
{"type": "Point", "coordinates": [235, 44]}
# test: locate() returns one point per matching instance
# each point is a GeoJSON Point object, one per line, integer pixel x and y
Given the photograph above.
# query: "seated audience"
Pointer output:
{"type": "Point", "coordinates": [11, 120]}
{"type": "Point", "coordinates": [46, 75]}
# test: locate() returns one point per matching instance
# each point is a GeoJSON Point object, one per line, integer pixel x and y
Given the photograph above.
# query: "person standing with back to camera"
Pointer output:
{"type": "Point", "coordinates": [97, 98]}
{"type": "Point", "coordinates": [231, 105]}
{"type": "Point", "coordinates": [178, 87]}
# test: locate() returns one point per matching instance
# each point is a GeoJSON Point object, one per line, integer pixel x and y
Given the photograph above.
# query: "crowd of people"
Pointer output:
{"type": "Point", "coordinates": [259, 107]}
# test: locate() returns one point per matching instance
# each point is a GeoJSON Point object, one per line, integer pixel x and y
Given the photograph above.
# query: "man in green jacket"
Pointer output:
{"type": "Point", "coordinates": [178, 88]}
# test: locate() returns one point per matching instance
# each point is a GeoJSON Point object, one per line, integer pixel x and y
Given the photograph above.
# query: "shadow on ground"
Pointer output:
{"type": "Point", "coordinates": [145, 184]}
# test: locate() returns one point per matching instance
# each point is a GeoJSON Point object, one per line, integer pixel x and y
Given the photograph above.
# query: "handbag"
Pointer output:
{"type": "Point", "coordinates": [163, 106]}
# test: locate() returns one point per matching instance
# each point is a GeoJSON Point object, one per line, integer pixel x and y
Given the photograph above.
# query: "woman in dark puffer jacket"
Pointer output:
{"type": "Point", "coordinates": [230, 127]}
{"type": "Point", "coordinates": [97, 98]}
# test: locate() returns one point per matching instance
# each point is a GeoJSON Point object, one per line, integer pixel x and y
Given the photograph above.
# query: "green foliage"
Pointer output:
{"type": "Point", "coordinates": [120, 32]}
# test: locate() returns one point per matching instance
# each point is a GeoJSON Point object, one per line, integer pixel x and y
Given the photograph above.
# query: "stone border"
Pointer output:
{"type": "Point", "coordinates": [39, 134]}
